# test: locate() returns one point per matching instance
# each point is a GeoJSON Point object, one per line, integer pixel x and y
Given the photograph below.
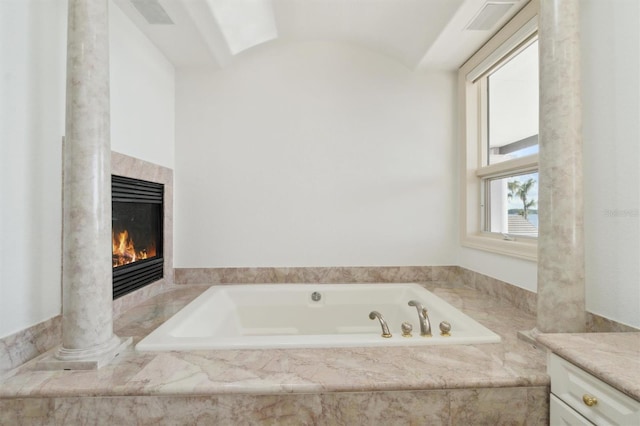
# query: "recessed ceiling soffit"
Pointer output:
{"type": "Point", "coordinates": [421, 34]}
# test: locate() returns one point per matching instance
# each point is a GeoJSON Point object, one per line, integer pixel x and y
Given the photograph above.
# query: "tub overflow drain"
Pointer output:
{"type": "Point", "coordinates": [315, 296]}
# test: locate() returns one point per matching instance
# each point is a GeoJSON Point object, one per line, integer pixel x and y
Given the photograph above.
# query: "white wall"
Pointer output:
{"type": "Point", "coordinates": [314, 154]}
{"type": "Point", "coordinates": [32, 103]}
{"type": "Point", "coordinates": [142, 94]}
{"type": "Point", "coordinates": [611, 128]}
{"type": "Point", "coordinates": [519, 272]}
{"type": "Point", "coordinates": [32, 67]}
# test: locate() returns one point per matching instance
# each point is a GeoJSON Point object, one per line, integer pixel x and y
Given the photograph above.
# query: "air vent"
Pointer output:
{"type": "Point", "coordinates": [489, 16]}
{"type": "Point", "coordinates": [153, 12]}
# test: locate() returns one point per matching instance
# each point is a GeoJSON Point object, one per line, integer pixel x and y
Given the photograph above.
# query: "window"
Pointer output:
{"type": "Point", "coordinates": [510, 206]}
{"type": "Point", "coordinates": [499, 123]}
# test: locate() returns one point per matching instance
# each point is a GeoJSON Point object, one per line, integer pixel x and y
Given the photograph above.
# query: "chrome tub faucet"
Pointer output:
{"type": "Point", "coordinates": [383, 323]}
{"type": "Point", "coordinates": [425, 323]}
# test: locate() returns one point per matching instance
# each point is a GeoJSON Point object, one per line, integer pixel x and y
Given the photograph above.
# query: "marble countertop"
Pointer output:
{"type": "Point", "coordinates": [612, 357]}
{"type": "Point", "coordinates": [511, 363]}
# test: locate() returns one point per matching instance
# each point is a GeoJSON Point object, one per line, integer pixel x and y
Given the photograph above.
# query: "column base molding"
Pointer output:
{"type": "Point", "coordinates": [84, 359]}
{"type": "Point", "coordinates": [529, 336]}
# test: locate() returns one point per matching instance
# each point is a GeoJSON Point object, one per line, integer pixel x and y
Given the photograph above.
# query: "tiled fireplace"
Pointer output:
{"type": "Point", "coordinates": [133, 168]}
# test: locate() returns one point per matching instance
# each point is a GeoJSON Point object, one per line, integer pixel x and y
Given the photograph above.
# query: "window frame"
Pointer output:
{"type": "Point", "coordinates": [473, 118]}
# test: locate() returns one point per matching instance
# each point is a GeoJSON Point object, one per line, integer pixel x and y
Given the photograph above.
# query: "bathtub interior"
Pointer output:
{"type": "Point", "coordinates": [285, 315]}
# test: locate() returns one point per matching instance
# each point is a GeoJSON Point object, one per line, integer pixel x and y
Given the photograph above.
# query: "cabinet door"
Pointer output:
{"type": "Point", "coordinates": [562, 415]}
{"type": "Point", "coordinates": [573, 385]}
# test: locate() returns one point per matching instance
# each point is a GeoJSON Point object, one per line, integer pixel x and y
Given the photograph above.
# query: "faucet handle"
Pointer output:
{"type": "Point", "coordinates": [445, 329]}
{"type": "Point", "coordinates": [406, 329]}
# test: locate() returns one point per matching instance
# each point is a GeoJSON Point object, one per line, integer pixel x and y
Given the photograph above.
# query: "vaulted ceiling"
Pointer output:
{"type": "Point", "coordinates": [421, 34]}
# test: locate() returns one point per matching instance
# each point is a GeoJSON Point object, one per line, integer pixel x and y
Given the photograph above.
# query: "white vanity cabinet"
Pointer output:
{"type": "Point", "coordinates": [579, 398]}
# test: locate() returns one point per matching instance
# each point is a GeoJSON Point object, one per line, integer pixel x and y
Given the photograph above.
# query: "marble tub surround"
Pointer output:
{"type": "Point", "coordinates": [612, 357]}
{"type": "Point", "coordinates": [500, 290]}
{"type": "Point", "coordinates": [454, 407]}
{"type": "Point", "coordinates": [27, 344]}
{"type": "Point", "coordinates": [524, 299]}
{"type": "Point", "coordinates": [320, 275]}
{"type": "Point", "coordinates": [88, 340]}
{"type": "Point", "coordinates": [561, 238]}
{"type": "Point", "coordinates": [34, 341]}
{"type": "Point", "coordinates": [124, 165]}
{"type": "Point", "coordinates": [599, 324]}
{"type": "Point", "coordinates": [291, 376]}
{"type": "Point", "coordinates": [128, 301]}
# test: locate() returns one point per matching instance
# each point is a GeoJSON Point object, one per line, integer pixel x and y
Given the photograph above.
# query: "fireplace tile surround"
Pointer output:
{"type": "Point", "coordinates": [123, 165]}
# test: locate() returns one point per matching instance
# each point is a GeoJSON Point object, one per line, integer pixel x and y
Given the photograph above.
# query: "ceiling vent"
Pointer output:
{"type": "Point", "coordinates": [489, 16]}
{"type": "Point", "coordinates": [153, 12]}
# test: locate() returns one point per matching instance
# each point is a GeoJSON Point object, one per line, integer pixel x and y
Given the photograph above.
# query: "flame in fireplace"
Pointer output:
{"type": "Point", "coordinates": [124, 250]}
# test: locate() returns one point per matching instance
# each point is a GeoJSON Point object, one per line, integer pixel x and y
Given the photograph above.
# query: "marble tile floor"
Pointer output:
{"type": "Point", "coordinates": [503, 383]}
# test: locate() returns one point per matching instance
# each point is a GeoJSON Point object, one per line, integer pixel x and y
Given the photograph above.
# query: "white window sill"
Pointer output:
{"type": "Point", "coordinates": [523, 248]}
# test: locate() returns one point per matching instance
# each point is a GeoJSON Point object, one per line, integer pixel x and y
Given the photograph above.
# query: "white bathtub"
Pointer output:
{"type": "Point", "coordinates": [285, 316]}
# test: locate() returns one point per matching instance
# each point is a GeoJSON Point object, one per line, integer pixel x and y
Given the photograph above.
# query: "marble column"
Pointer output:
{"type": "Point", "coordinates": [561, 299]}
{"type": "Point", "coordinates": [88, 340]}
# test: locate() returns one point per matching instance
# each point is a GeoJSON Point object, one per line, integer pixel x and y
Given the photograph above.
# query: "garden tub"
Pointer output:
{"type": "Point", "coordinates": [261, 316]}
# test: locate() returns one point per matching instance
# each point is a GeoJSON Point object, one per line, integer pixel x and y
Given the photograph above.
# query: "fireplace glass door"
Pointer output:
{"type": "Point", "coordinates": [137, 213]}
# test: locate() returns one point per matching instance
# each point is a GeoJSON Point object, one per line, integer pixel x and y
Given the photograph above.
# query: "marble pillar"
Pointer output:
{"type": "Point", "coordinates": [561, 299]}
{"type": "Point", "coordinates": [88, 340]}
